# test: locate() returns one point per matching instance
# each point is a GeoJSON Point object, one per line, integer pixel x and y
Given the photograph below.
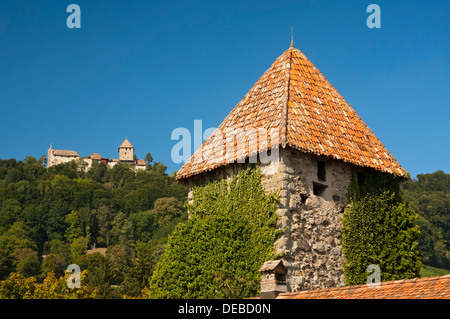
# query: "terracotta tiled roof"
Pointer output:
{"type": "Point", "coordinates": [96, 156]}
{"type": "Point", "coordinates": [141, 162]}
{"type": "Point", "coordinates": [419, 288]}
{"type": "Point", "coordinates": [126, 143]}
{"type": "Point", "coordinates": [293, 98]}
{"type": "Point", "coordinates": [65, 153]}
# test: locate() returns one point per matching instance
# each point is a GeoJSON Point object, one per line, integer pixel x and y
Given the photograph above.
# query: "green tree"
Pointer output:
{"type": "Point", "coordinates": [74, 230]}
{"type": "Point", "coordinates": [100, 276]}
{"type": "Point", "coordinates": [119, 261]}
{"type": "Point", "coordinates": [145, 225]}
{"type": "Point", "coordinates": [105, 220]}
{"type": "Point", "coordinates": [30, 160]}
{"type": "Point", "coordinates": [60, 249]}
{"type": "Point", "coordinates": [148, 159]}
{"type": "Point", "coordinates": [55, 264]}
{"type": "Point", "coordinates": [140, 270]}
{"type": "Point", "coordinates": [17, 237]}
{"type": "Point", "coordinates": [27, 261]}
{"type": "Point", "coordinates": [429, 196]}
{"type": "Point", "coordinates": [78, 247]}
{"type": "Point", "coordinates": [166, 208]}
{"type": "Point", "coordinates": [122, 232]}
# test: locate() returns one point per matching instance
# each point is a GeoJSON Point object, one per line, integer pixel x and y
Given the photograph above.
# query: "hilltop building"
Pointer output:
{"type": "Point", "coordinates": [55, 157]}
{"type": "Point", "coordinates": [126, 155]}
{"type": "Point", "coordinates": [316, 142]}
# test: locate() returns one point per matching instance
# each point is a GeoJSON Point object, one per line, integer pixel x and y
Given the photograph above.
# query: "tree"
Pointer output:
{"type": "Point", "coordinates": [27, 261]}
{"type": "Point", "coordinates": [17, 237]}
{"type": "Point", "coordinates": [166, 208]}
{"type": "Point", "coordinates": [100, 276]}
{"type": "Point", "coordinates": [74, 230]}
{"type": "Point", "coordinates": [53, 263]}
{"type": "Point", "coordinates": [148, 159]}
{"type": "Point", "coordinates": [19, 287]}
{"type": "Point", "coordinates": [145, 224]}
{"type": "Point", "coordinates": [140, 270]}
{"type": "Point", "coordinates": [378, 228]}
{"type": "Point", "coordinates": [30, 160]}
{"type": "Point", "coordinates": [118, 261]}
{"type": "Point", "coordinates": [78, 247]}
{"type": "Point", "coordinates": [105, 220]}
{"type": "Point", "coordinates": [43, 160]}
{"type": "Point", "coordinates": [429, 196]}
{"type": "Point", "coordinates": [60, 249]}
{"type": "Point", "coordinates": [122, 232]}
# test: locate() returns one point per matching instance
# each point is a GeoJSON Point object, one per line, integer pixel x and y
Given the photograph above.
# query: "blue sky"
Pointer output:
{"type": "Point", "coordinates": [140, 69]}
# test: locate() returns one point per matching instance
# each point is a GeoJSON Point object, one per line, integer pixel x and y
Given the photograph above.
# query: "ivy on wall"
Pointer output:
{"type": "Point", "coordinates": [379, 228]}
{"type": "Point", "coordinates": [217, 252]}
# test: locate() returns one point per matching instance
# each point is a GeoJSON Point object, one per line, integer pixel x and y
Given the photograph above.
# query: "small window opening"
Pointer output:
{"type": "Point", "coordinates": [321, 171]}
{"type": "Point", "coordinates": [318, 189]}
{"type": "Point", "coordinates": [303, 198]}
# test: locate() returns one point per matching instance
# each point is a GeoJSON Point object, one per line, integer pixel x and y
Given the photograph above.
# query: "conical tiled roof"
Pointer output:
{"type": "Point", "coordinates": [126, 144]}
{"type": "Point", "coordinates": [294, 99]}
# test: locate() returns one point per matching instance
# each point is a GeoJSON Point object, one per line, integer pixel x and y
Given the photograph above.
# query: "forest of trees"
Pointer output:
{"type": "Point", "coordinates": [60, 213]}
{"type": "Point", "coordinates": [429, 196]}
{"type": "Point", "coordinates": [50, 218]}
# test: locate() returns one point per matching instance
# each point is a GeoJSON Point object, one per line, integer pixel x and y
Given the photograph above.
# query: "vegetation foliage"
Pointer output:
{"type": "Point", "coordinates": [379, 228]}
{"type": "Point", "coordinates": [218, 251]}
{"type": "Point", "coordinates": [49, 218]}
{"type": "Point", "coordinates": [429, 196]}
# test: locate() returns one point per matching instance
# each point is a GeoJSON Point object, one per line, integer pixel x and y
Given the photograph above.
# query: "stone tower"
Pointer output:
{"type": "Point", "coordinates": [126, 152]}
{"type": "Point", "coordinates": [316, 143]}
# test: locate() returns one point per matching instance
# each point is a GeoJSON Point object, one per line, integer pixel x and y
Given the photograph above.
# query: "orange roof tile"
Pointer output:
{"type": "Point", "coordinates": [96, 156]}
{"type": "Point", "coordinates": [418, 288]}
{"type": "Point", "coordinates": [141, 162]}
{"type": "Point", "coordinates": [126, 143]}
{"type": "Point", "coordinates": [301, 109]}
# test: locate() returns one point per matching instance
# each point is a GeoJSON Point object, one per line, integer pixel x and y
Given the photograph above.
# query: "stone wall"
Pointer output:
{"type": "Point", "coordinates": [53, 160]}
{"type": "Point", "coordinates": [310, 212]}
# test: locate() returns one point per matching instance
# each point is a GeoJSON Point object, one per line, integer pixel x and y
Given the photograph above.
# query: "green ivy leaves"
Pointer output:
{"type": "Point", "coordinates": [218, 251]}
{"type": "Point", "coordinates": [378, 228]}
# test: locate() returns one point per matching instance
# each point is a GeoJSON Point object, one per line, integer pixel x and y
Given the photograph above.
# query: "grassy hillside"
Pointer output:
{"type": "Point", "coordinates": [428, 271]}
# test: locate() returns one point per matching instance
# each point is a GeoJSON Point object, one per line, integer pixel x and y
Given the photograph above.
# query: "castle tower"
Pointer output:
{"type": "Point", "coordinates": [126, 151]}
{"type": "Point", "coordinates": [317, 143]}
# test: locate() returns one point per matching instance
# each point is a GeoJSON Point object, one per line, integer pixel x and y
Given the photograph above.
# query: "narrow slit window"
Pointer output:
{"type": "Point", "coordinates": [321, 171]}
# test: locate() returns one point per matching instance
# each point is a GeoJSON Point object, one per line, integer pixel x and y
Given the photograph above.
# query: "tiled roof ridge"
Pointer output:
{"type": "Point", "coordinates": [284, 129]}
{"type": "Point", "coordinates": [355, 287]}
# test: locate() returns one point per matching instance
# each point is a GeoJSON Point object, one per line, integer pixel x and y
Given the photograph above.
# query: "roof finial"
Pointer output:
{"type": "Point", "coordinates": [292, 38]}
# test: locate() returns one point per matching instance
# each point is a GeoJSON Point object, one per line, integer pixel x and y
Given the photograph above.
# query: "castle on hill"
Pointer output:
{"type": "Point", "coordinates": [126, 155]}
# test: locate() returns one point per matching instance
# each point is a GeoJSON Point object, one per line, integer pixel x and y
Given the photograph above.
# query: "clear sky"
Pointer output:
{"type": "Point", "coordinates": [140, 69]}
